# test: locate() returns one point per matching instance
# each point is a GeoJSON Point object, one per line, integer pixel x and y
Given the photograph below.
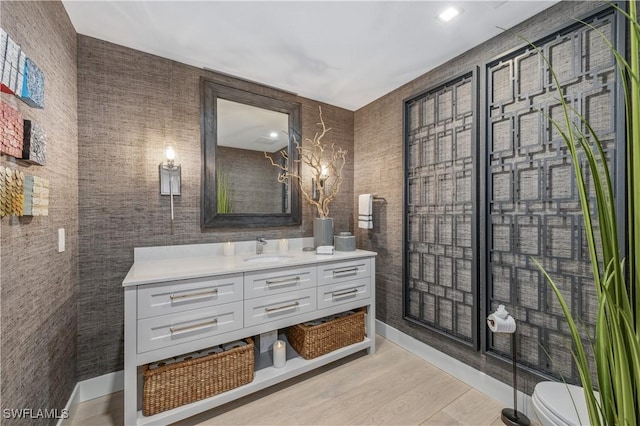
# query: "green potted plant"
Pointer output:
{"type": "Point", "coordinates": [616, 347]}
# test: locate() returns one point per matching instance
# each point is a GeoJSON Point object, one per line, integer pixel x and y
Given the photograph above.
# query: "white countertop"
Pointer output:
{"type": "Point", "coordinates": [145, 271]}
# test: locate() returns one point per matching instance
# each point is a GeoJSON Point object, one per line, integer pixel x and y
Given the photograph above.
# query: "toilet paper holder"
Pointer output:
{"type": "Point", "coordinates": [501, 322]}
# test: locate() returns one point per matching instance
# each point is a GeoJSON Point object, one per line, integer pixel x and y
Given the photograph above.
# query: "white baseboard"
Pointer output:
{"type": "Point", "coordinates": [101, 385]}
{"type": "Point", "coordinates": [114, 382]}
{"type": "Point", "coordinates": [491, 387]}
{"type": "Point", "coordinates": [71, 407]}
{"type": "Point", "coordinates": [91, 389]}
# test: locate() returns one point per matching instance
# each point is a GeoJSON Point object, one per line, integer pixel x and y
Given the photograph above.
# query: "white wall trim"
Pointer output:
{"type": "Point", "coordinates": [71, 406]}
{"type": "Point", "coordinates": [491, 387]}
{"type": "Point", "coordinates": [114, 382]}
{"type": "Point", "coordinates": [101, 385]}
{"type": "Point", "coordinates": [95, 387]}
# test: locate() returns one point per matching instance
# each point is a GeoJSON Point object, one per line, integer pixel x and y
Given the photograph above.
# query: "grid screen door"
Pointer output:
{"type": "Point", "coordinates": [522, 205]}
{"type": "Point", "coordinates": [440, 160]}
{"type": "Point", "coordinates": [533, 205]}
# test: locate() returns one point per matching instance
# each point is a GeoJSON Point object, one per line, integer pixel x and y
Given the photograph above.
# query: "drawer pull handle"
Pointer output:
{"type": "Point", "coordinates": [195, 327]}
{"type": "Point", "coordinates": [345, 272]}
{"type": "Point", "coordinates": [180, 297]}
{"type": "Point", "coordinates": [285, 281]}
{"type": "Point", "coordinates": [351, 292]}
{"type": "Point", "coordinates": [281, 308]}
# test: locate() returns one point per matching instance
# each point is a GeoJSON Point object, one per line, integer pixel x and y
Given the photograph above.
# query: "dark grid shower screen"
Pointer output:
{"type": "Point", "coordinates": [440, 173]}
{"type": "Point", "coordinates": [531, 206]}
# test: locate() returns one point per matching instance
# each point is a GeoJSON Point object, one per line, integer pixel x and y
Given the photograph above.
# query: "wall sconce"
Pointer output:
{"type": "Point", "coordinates": [324, 174]}
{"type": "Point", "coordinates": [170, 174]}
{"type": "Point", "coordinates": [315, 189]}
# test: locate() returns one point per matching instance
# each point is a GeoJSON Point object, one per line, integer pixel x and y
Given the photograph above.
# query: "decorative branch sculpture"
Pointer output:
{"type": "Point", "coordinates": [326, 163]}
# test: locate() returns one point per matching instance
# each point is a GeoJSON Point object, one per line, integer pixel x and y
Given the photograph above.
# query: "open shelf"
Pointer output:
{"type": "Point", "coordinates": [265, 376]}
{"type": "Point", "coordinates": [265, 360]}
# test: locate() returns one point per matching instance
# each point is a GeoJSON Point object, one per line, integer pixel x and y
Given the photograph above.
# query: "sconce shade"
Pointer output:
{"type": "Point", "coordinates": [169, 152]}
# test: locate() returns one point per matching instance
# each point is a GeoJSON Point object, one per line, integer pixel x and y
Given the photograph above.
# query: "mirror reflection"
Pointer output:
{"type": "Point", "coordinates": [246, 180]}
{"type": "Point", "coordinates": [240, 187]}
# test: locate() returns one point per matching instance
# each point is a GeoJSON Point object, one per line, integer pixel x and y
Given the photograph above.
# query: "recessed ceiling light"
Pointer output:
{"type": "Point", "coordinates": [448, 14]}
{"type": "Point", "coordinates": [273, 134]}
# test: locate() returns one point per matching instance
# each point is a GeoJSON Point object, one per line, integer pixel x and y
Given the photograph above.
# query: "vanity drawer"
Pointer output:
{"type": "Point", "coordinates": [266, 309]}
{"type": "Point", "coordinates": [180, 296]}
{"type": "Point", "coordinates": [169, 330]}
{"type": "Point", "coordinates": [340, 293]}
{"type": "Point", "coordinates": [343, 271]}
{"type": "Point", "coordinates": [259, 284]}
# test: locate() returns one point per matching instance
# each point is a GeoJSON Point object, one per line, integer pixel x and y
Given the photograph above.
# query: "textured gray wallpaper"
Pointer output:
{"type": "Point", "coordinates": [378, 147]}
{"type": "Point", "coordinates": [38, 293]}
{"type": "Point", "coordinates": [129, 104]}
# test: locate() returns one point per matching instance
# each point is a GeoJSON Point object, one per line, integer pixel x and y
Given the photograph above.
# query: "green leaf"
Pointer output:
{"type": "Point", "coordinates": [617, 339]}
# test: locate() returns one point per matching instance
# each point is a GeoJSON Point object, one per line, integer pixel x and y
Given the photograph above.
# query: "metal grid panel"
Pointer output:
{"type": "Point", "coordinates": [440, 156]}
{"type": "Point", "coordinates": [533, 206]}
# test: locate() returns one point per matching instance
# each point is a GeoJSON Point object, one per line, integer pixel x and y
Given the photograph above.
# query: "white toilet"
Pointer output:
{"type": "Point", "coordinates": [557, 403]}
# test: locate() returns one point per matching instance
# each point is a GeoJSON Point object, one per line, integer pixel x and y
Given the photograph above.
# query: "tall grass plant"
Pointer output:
{"type": "Point", "coordinates": [616, 347]}
{"type": "Point", "coordinates": [224, 194]}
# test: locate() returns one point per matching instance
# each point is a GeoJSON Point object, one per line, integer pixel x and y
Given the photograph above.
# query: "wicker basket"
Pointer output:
{"type": "Point", "coordinates": [315, 340]}
{"type": "Point", "coordinates": [184, 382]}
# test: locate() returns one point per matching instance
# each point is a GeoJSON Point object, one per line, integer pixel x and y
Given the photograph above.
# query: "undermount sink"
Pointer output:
{"type": "Point", "coordinates": [267, 258]}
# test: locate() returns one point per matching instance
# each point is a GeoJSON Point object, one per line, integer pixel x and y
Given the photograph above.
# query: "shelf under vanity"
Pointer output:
{"type": "Point", "coordinates": [229, 297]}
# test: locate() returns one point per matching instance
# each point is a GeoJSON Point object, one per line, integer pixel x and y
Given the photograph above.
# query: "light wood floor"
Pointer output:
{"type": "Point", "coordinates": [392, 387]}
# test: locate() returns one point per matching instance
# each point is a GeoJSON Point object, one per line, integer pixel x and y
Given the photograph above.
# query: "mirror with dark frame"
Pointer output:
{"type": "Point", "coordinates": [240, 186]}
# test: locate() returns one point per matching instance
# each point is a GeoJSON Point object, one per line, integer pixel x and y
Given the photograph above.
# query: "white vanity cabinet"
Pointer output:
{"type": "Point", "coordinates": [179, 305]}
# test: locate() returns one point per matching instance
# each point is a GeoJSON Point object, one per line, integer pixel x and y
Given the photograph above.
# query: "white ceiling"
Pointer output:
{"type": "Point", "coordinates": [247, 127]}
{"type": "Point", "coordinates": [343, 53]}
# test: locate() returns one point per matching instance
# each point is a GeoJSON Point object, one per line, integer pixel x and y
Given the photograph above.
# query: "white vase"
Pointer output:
{"type": "Point", "coordinates": [322, 231]}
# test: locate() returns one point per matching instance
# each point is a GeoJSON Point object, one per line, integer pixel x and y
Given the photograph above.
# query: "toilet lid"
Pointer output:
{"type": "Point", "coordinates": [564, 401]}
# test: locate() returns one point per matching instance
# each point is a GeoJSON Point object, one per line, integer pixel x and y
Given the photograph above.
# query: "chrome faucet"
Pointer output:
{"type": "Point", "coordinates": [260, 243]}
